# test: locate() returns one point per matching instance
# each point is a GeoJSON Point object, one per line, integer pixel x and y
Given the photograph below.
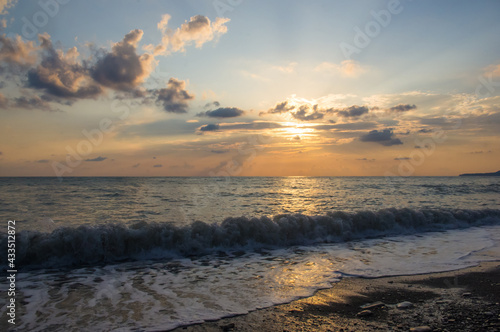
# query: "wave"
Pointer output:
{"type": "Point", "coordinates": [108, 243]}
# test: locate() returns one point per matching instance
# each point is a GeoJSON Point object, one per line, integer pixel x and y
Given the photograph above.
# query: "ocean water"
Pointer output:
{"type": "Point", "coordinates": [145, 254]}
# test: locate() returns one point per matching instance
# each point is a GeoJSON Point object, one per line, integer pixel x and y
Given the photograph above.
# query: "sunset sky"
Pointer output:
{"type": "Point", "coordinates": [249, 88]}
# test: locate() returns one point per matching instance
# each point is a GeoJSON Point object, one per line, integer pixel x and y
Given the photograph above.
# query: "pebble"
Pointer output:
{"type": "Point", "coordinates": [373, 305]}
{"type": "Point", "coordinates": [421, 329]}
{"type": "Point", "coordinates": [466, 294]}
{"type": "Point", "coordinates": [404, 305]}
{"type": "Point", "coordinates": [488, 313]}
{"type": "Point", "coordinates": [364, 313]}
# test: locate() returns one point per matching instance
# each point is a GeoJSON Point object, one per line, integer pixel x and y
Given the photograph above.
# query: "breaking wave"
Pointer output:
{"type": "Point", "coordinates": [108, 243]}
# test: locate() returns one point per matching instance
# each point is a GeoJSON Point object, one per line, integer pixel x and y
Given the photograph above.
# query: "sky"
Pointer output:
{"type": "Point", "coordinates": [249, 88]}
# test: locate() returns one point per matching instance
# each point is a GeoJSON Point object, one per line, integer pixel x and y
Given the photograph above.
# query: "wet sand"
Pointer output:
{"type": "Point", "coordinates": [462, 300]}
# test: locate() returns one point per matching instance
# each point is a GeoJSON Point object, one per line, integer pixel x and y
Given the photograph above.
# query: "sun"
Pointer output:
{"type": "Point", "coordinates": [291, 130]}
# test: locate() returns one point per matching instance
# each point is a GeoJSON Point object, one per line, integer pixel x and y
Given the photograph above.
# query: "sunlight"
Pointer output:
{"type": "Point", "coordinates": [294, 129]}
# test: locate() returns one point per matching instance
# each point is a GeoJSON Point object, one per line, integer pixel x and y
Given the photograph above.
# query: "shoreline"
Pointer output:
{"type": "Point", "coordinates": [466, 299]}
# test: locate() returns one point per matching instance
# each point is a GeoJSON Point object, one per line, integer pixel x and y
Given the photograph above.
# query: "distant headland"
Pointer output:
{"type": "Point", "coordinates": [482, 174]}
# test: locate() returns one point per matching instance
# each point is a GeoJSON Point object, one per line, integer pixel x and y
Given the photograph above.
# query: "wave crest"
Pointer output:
{"type": "Point", "coordinates": [102, 244]}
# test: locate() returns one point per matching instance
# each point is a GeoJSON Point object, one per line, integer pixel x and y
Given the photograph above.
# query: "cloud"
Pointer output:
{"type": "Point", "coordinates": [366, 159]}
{"type": "Point", "coordinates": [402, 158]}
{"type": "Point", "coordinates": [174, 98]}
{"type": "Point", "coordinates": [493, 70]}
{"type": "Point", "coordinates": [303, 112]}
{"type": "Point", "coordinates": [347, 68]}
{"type": "Point", "coordinates": [282, 107]}
{"type": "Point", "coordinates": [136, 165]}
{"type": "Point", "coordinates": [5, 5]}
{"type": "Point", "coordinates": [223, 112]}
{"type": "Point", "coordinates": [352, 111]}
{"type": "Point", "coordinates": [384, 137]}
{"type": "Point", "coordinates": [240, 126]}
{"type": "Point", "coordinates": [210, 105]}
{"type": "Point", "coordinates": [306, 113]}
{"type": "Point", "coordinates": [435, 121]}
{"type": "Point", "coordinates": [198, 30]}
{"type": "Point", "coordinates": [97, 159]}
{"type": "Point", "coordinates": [354, 126]}
{"type": "Point", "coordinates": [43, 161]}
{"type": "Point", "coordinates": [219, 151]}
{"type": "Point", "coordinates": [425, 131]}
{"type": "Point", "coordinates": [122, 68]}
{"type": "Point", "coordinates": [250, 126]}
{"type": "Point", "coordinates": [290, 68]}
{"type": "Point", "coordinates": [158, 166]}
{"type": "Point", "coordinates": [60, 75]}
{"type": "Point", "coordinates": [17, 53]}
{"type": "Point", "coordinates": [402, 108]}
{"type": "Point", "coordinates": [209, 127]}
{"type": "Point", "coordinates": [33, 102]}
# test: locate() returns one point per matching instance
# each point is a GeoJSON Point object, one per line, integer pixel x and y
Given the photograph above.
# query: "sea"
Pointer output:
{"type": "Point", "coordinates": [156, 253]}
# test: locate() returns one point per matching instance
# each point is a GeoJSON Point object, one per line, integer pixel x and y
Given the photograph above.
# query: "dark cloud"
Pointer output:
{"type": "Point", "coordinates": [60, 75]}
{"type": "Point", "coordinates": [306, 113]}
{"type": "Point", "coordinates": [122, 68]}
{"type": "Point", "coordinates": [157, 166]}
{"type": "Point", "coordinates": [425, 131]}
{"type": "Point", "coordinates": [33, 102]}
{"type": "Point", "coordinates": [136, 165]}
{"type": "Point", "coordinates": [352, 111]}
{"type": "Point", "coordinates": [210, 105]}
{"type": "Point", "coordinates": [174, 98]}
{"type": "Point", "coordinates": [302, 113]}
{"type": "Point", "coordinates": [435, 121]}
{"type": "Point", "coordinates": [210, 127]}
{"type": "Point", "coordinates": [251, 126]}
{"type": "Point", "coordinates": [347, 126]}
{"type": "Point", "coordinates": [223, 112]}
{"type": "Point", "coordinates": [402, 108]}
{"type": "Point", "coordinates": [402, 158]}
{"type": "Point", "coordinates": [282, 107]}
{"type": "Point", "coordinates": [240, 126]}
{"type": "Point", "coordinates": [97, 159]}
{"type": "Point", "coordinates": [366, 159]}
{"type": "Point", "coordinates": [384, 137]}
{"type": "Point", "coordinates": [43, 161]}
{"type": "Point", "coordinates": [219, 151]}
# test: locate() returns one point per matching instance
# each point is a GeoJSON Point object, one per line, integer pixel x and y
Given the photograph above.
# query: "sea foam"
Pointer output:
{"type": "Point", "coordinates": [108, 243]}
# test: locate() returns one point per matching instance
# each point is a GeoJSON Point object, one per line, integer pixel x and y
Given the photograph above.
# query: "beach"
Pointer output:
{"type": "Point", "coordinates": [462, 300]}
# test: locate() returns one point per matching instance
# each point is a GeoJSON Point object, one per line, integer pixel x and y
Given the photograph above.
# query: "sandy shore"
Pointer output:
{"type": "Point", "coordinates": [463, 300]}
